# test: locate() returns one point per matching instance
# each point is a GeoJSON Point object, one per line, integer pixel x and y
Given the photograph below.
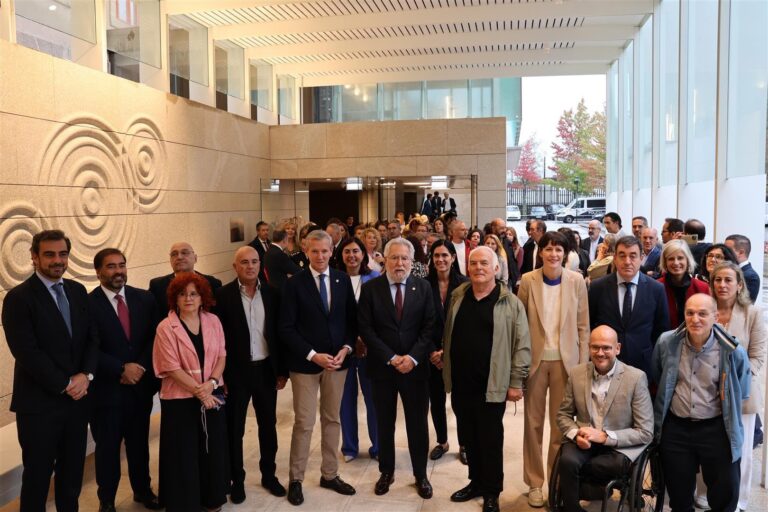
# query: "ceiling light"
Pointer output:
{"type": "Point", "coordinates": [51, 7]}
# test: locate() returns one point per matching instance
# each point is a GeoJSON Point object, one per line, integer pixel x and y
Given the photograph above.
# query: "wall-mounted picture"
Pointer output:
{"type": "Point", "coordinates": [236, 230]}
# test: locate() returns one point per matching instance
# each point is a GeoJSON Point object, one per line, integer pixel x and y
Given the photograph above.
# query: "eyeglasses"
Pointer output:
{"type": "Point", "coordinates": [713, 256]}
{"type": "Point", "coordinates": [190, 295]}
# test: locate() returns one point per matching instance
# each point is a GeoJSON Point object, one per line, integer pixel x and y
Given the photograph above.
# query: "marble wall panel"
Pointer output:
{"type": "Point", "coordinates": [491, 171]}
{"type": "Point", "coordinates": [417, 137]}
{"type": "Point", "coordinates": [492, 198]}
{"type": "Point", "coordinates": [284, 169]}
{"type": "Point", "coordinates": [327, 168]}
{"type": "Point", "coordinates": [476, 136]}
{"type": "Point", "coordinates": [356, 139]}
{"type": "Point", "coordinates": [298, 141]}
{"type": "Point", "coordinates": [21, 93]}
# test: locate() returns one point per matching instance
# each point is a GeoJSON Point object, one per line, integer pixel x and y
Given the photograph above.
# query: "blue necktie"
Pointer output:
{"type": "Point", "coordinates": [323, 293]}
{"type": "Point", "coordinates": [63, 303]}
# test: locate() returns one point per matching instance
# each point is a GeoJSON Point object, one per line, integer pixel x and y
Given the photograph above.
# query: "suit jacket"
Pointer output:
{"type": "Point", "coordinates": [528, 262]}
{"type": "Point", "coordinates": [441, 309]}
{"type": "Point", "coordinates": [159, 286]}
{"type": "Point", "coordinates": [628, 407]}
{"type": "Point", "coordinates": [256, 244]}
{"type": "Point", "coordinates": [587, 242]}
{"type": "Point", "coordinates": [512, 268]}
{"type": "Point", "coordinates": [426, 207]}
{"type": "Point", "coordinates": [752, 281]}
{"type": "Point", "coordinates": [305, 326]}
{"type": "Point", "coordinates": [437, 205]}
{"type": "Point", "coordinates": [229, 309]}
{"type": "Point", "coordinates": [574, 317]}
{"type": "Point", "coordinates": [698, 251]}
{"type": "Point", "coordinates": [696, 286]}
{"type": "Point", "coordinates": [277, 265]}
{"type": "Point", "coordinates": [652, 261]}
{"type": "Point", "coordinates": [385, 337]}
{"type": "Point", "coordinates": [748, 327]}
{"type": "Point", "coordinates": [115, 349]}
{"type": "Point", "coordinates": [650, 317]}
{"type": "Point", "coordinates": [46, 354]}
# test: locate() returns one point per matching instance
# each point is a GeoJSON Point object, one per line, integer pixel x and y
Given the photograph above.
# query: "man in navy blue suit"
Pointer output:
{"type": "Point", "coordinates": [632, 304]}
{"type": "Point", "coordinates": [318, 326]}
{"type": "Point", "coordinates": [649, 264]}
{"type": "Point", "coordinates": [126, 319]}
{"type": "Point", "coordinates": [741, 246]}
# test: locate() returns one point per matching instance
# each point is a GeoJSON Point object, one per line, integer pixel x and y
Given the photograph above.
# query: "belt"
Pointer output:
{"type": "Point", "coordinates": [695, 420]}
{"type": "Point", "coordinates": [261, 362]}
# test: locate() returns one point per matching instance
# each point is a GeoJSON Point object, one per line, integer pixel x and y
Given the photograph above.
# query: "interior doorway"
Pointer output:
{"type": "Point", "coordinates": [325, 204]}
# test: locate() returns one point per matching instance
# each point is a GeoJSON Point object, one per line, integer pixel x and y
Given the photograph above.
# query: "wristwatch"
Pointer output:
{"type": "Point", "coordinates": [215, 382]}
{"type": "Point", "coordinates": [90, 377]}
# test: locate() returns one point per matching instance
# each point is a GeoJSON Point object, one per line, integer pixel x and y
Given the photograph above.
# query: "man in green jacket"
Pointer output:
{"type": "Point", "coordinates": [486, 351]}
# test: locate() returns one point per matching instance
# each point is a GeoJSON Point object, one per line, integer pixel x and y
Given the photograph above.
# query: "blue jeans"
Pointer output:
{"type": "Point", "coordinates": [349, 438]}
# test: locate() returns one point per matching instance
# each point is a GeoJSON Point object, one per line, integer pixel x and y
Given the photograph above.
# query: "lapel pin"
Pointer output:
{"type": "Point", "coordinates": [337, 280]}
{"type": "Point", "coordinates": [414, 288]}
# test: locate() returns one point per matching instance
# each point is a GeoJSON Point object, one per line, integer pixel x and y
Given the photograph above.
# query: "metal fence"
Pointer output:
{"type": "Point", "coordinates": [543, 195]}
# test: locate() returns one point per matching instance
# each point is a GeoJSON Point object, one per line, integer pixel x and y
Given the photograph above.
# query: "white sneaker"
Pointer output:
{"type": "Point", "coordinates": [349, 458]}
{"type": "Point", "coordinates": [701, 502]}
{"type": "Point", "coordinates": [535, 497]}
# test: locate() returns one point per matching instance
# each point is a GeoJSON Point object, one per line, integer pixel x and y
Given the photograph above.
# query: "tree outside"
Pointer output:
{"type": "Point", "coordinates": [525, 175]}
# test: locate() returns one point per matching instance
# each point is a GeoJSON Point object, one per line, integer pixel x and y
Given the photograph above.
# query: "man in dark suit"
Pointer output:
{"type": "Point", "coordinates": [278, 266]}
{"type": "Point", "coordinates": [426, 207]}
{"type": "Point", "coordinates": [396, 316]}
{"type": "Point", "coordinates": [318, 326]}
{"type": "Point", "coordinates": [590, 243]}
{"type": "Point", "coordinates": [51, 335]}
{"type": "Point", "coordinates": [742, 247]}
{"type": "Point", "coordinates": [531, 248]}
{"type": "Point", "coordinates": [126, 319]}
{"type": "Point", "coordinates": [632, 304]}
{"type": "Point", "coordinates": [261, 243]}
{"type": "Point", "coordinates": [437, 204]}
{"type": "Point", "coordinates": [697, 228]}
{"type": "Point", "coordinates": [649, 264]}
{"type": "Point", "coordinates": [183, 259]}
{"type": "Point", "coordinates": [499, 227]}
{"type": "Point", "coordinates": [255, 369]}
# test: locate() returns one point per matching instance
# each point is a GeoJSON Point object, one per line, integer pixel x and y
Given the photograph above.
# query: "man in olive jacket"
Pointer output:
{"type": "Point", "coordinates": [486, 352]}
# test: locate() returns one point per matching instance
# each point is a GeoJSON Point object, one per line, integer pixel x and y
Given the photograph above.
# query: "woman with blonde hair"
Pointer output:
{"type": "Point", "coordinates": [291, 227]}
{"type": "Point", "coordinates": [677, 267]}
{"type": "Point", "coordinates": [492, 242]}
{"type": "Point", "coordinates": [372, 241]}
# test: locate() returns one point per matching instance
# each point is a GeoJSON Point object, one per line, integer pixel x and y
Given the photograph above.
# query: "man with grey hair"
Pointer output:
{"type": "Point", "coordinates": [485, 323]}
{"type": "Point", "coordinates": [396, 318]}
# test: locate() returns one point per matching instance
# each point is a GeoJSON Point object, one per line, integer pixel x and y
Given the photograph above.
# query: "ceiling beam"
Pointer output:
{"type": "Point", "coordinates": [598, 54]}
{"type": "Point", "coordinates": [458, 74]}
{"type": "Point", "coordinates": [474, 14]}
{"type": "Point", "coordinates": [619, 33]}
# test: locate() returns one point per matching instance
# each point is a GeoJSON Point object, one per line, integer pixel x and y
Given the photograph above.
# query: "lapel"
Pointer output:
{"type": "Point", "coordinates": [183, 337]}
{"type": "Point", "coordinates": [134, 315]}
{"type": "Point", "coordinates": [237, 305]}
{"type": "Point", "coordinates": [111, 317]}
{"type": "Point", "coordinates": [640, 291]}
{"type": "Point", "coordinates": [566, 285]}
{"type": "Point", "coordinates": [386, 297]}
{"type": "Point", "coordinates": [613, 294]}
{"type": "Point", "coordinates": [537, 293]}
{"type": "Point", "coordinates": [337, 298]}
{"type": "Point", "coordinates": [409, 297]}
{"type": "Point", "coordinates": [588, 392]}
{"type": "Point", "coordinates": [311, 287]}
{"type": "Point", "coordinates": [613, 388]}
{"type": "Point", "coordinates": [53, 310]}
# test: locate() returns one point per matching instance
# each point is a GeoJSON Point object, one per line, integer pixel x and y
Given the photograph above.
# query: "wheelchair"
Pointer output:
{"type": "Point", "coordinates": [641, 488]}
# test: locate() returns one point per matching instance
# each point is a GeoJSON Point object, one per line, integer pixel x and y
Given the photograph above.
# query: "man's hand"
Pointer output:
{"type": "Point", "coordinates": [204, 390]}
{"type": "Point", "coordinates": [593, 435]}
{"type": "Point", "coordinates": [514, 394]}
{"type": "Point", "coordinates": [396, 361]}
{"type": "Point", "coordinates": [406, 365]}
{"type": "Point", "coordinates": [436, 358]}
{"type": "Point", "coordinates": [582, 442]}
{"type": "Point", "coordinates": [78, 386]}
{"type": "Point", "coordinates": [281, 382]}
{"type": "Point", "coordinates": [339, 359]}
{"type": "Point", "coordinates": [325, 361]}
{"type": "Point", "coordinates": [360, 349]}
{"type": "Point", "coordinates": [132, 373]}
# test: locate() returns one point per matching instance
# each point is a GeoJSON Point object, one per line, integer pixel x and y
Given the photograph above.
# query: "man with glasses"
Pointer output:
{"type": "Point", "coordinates": [672, 229]}
{"type": "Point", "coordinates": [396, 317]}
{"type": "Point", "coordinates": [183, 259]}
{"type": "Point", "coordinates": [594, 239]}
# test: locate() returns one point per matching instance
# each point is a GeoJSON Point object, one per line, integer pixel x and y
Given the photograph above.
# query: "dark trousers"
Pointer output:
{"type": "Point", "coordinates": [110, 426]}
{"type": "Point", "coordinates": [256, 386]}
{"type": "Point", "coordinates": [598, 462]}
{"type": "Point", "coordinates": [194, 462]}
{"type": "Point", "coordinates": [52, 441]}
{"type": "Point", "coordinates": [482, 425]}
{"type": "Point", "coordinates": [437, 407]}
{"type": "Point", "coordinates": [415, 396]}
{"type": "Point", "coordinates": [350, 443]}
{"type": "Point", "coordinates": [686, 445]}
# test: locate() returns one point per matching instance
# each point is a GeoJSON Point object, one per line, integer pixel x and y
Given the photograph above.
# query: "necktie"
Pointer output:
{"type": "Point", "coordinates": [63, 304]}
{"type": "Point", "coordinates": [626, 310]}
{"type": "Point", "coordinates": [266, 246]}
{"type": "Point", "coordinates": [122, 315]}
{"type": "Point", "coordinates": [323, 293]}
{"type": "Point", "coordinates": [399, 301]}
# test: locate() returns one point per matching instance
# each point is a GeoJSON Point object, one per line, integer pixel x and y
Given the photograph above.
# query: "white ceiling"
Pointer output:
{"type": "Point", "coordinates": [334, 42]}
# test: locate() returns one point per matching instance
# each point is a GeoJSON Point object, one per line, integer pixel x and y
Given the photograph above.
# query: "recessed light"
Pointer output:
{"type": "Point", "coordinates": [51, 7]}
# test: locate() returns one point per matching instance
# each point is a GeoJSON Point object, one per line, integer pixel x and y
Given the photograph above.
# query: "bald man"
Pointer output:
{"type": "Point", "coordinates": [255, 369]}
{"type": "Point", "coordinates": [182, 259]}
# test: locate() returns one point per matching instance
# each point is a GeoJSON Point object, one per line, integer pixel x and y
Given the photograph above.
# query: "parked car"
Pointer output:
{"type": "Point", "coordinates": [553, 210]}
{"type": "Point", "coordinates": [513, 212]}
{"type": "Point", "coordinates": [538, 212]}
{"type": "Point", "coordinates": [579, 207]}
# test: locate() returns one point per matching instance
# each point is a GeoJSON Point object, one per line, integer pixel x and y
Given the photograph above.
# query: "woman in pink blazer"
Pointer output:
{"type": "Point", "coordinates": [189, 357]}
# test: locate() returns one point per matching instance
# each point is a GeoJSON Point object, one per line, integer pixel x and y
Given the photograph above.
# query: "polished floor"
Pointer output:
{"type": "Point", "coordinates": [446, 475]}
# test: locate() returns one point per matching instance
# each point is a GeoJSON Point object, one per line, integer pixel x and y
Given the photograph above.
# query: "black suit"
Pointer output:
{"type": "Point", "coordinates": [513, 270]}
{"type": "Point", "coordinates": [159, 286]}
{"type": "Point", "coordinates": [752, 280]}
{"type": "Point", "coordinates": [650, 317]}
{"type": "Point", "coordinates": [122, 411]}
{"type": "Point", "coordinates": [587, 243]}
{"type": "Point", "coordinates": [528, 263]}
{"type": "Point", "coordinates": [257, 244]}
{"type": "Point", "coordinates": [52, 428]}
{"type": "Point", "coordinates": [437, 206]}
{"type": "Point", "coordinates": [277, 266]}
{"type": "Point", "coordinates": [249, 381]}
{"type": "Point", "coordinates": [385, 338]}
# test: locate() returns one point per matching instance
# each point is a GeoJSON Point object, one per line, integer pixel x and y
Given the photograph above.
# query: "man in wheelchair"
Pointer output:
{"type": "Point", "coordinates": [606, 417]}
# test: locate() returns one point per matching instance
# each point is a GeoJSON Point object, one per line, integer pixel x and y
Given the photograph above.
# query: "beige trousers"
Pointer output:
{"type": "Point", "coordinates": [305, 387]}
{"type": "Point", "coordinates": [549, 375]}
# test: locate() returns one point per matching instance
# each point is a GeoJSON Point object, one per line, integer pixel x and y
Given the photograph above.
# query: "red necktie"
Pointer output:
{"type": "Point", "coordinates": [399, 301]}
{"type": "Point", "coordinates": [122, 315]}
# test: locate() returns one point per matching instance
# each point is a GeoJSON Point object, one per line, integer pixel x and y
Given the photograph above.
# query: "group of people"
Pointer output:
{"type": "Point", "coordinates": [658, 347]}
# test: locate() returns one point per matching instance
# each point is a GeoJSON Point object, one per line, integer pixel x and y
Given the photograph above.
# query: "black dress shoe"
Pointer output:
{"type": "Point", "coordinates": [106, 507]}
{"type": "Point", "coordinates": [463, 455]}
{"type": "Point", "coordinates": [424, 488]}
{"type": "Point", "coordinates": [295, 496]}
{"type": "Point", "coordinates": [491, 504]}
{"type": "Point", "coordinates": [274, 486]}
{"type": "Point", "coordinates": [237, 494]}
{"type": "Point", "coordinates": [438, 451]}
{"type": "Point", "coordinates": [465, 494]}
{"type": "Point", "coordinates": [149, 500]}
{"type": "Point", "coordinates": [383, 483]}
{"type": "Point", "coordinates": [338, 485]}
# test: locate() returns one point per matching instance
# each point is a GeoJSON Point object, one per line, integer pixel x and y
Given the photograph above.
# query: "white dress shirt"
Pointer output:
{"type": "Point", "coordinates": [112, 297]}
{"type": "Point", "coordinates": [316, 277]}
{"type": "Point", "coordinates": [623, 290]}
{"type": "Point", "coordinates": [461, 256]}
{"type": "Point", "coordinates": [255, 316]}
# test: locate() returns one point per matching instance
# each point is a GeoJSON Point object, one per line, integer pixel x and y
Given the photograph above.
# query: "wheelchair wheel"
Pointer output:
{"type": "Point", "coordinates": [555, 500]}
{"type": "Point", "coordinates": [646, 487]}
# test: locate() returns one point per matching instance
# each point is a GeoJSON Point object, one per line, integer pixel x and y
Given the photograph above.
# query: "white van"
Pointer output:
{"type": "Point", "coordinates": [580, 207]}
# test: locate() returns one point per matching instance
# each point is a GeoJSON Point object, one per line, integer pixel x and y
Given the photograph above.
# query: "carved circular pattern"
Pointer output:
{"type": "Point", "coordinates": [146, 161]}
{"type": "Point", "coordinates": [19, 222]}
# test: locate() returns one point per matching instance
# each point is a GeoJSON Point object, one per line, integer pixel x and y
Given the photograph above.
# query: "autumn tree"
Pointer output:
{"type": "Point", "coordinates": [525, 175]}
{"type": "Point", "coordinates": [579, 151]}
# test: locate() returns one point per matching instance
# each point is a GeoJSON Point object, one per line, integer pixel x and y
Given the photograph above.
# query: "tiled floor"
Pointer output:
{"type": "Point", "coordinates": [447, 475]}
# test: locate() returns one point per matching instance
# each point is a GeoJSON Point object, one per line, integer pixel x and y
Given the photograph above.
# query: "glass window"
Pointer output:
{"type": "Point", "coordinates": [644, 111]}
{"type": "Point", "coordinates": [481, 98]}
{"type": "Point", "coordinates": [359, 102]}
{"type": "Point", "coordinates": [626, 69]}
{"type": "Point", "coordinates": [230, 59]}
{"type": "Point", "coordinates": [509, 95]}
{"type": "Point", "coordinates": [65, 29]}
{"type": "Point", "coordinates": [747, 88]}
{"type": "Point", "coordinates": [188, 49]}
{"type": "Point", "coordinates": [447, 99]}
{"type": "Point", "coordinates": [612, 129]}
{"type": "Point", "coordinates": [133, 32]}
{"type": "Point", "coordinates": [286, 86]}
{"type": "Point", "coordinates": [261, 84]}
{"type": "Point", "coordinates": [401, 101]}
{"type": "Point", "coordinates": [701, 91]}
{"type": "Point", "coordinates": [669, 83]}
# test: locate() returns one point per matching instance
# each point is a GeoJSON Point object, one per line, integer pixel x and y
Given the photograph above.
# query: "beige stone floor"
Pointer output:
{"type": "Point", "coordinates": [446, 475]}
